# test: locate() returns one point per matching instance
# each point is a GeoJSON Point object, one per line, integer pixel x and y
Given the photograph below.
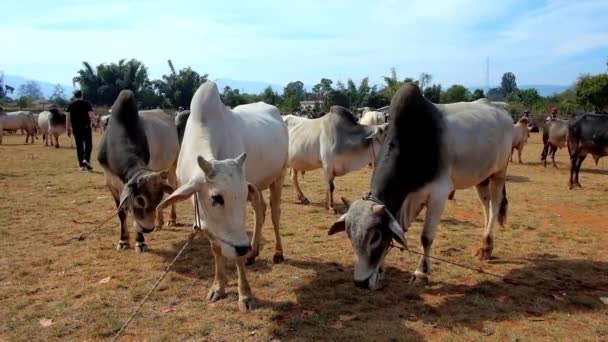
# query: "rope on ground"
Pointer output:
{"type": "Point", "coordinates": [505, 279]}
{"type": "Point", "coordinates": [86, 234]}
{"type": "Point", "coordinates": [162, 276]}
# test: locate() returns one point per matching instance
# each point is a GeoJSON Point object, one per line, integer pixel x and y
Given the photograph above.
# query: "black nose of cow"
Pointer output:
{"type": "Point", "coordinates": [362, 284]}
{"type": "Point", "coordinates": [242, 250]}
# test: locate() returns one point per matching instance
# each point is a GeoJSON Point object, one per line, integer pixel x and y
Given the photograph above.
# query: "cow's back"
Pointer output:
{"type": "Point", "coordinates": [162, 138]}
{"type": "Point", "coordinates": [556, 133]}
{"type": "Point", "coordinates": [478, 138]}
{"type": "Point", "coordinates": [43, 121]}
{"type": "Point", "coordinates": [266, 141]}
{"type": "Point", "coordinates": [305, 145]}
{"type": "Point", "coordinates": [591, 132]}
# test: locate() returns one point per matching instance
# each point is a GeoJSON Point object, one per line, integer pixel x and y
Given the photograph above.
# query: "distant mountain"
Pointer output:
{"type": "Point", "coordinates": [46, 87]}
{"type": "Point", "coordinates": [543, 89]}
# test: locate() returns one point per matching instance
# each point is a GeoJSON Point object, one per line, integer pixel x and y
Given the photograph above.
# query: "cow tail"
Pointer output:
{"type": "Point", "coordinates": [504, 206]}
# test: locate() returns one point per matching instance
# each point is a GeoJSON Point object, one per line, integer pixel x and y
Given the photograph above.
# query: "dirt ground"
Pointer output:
{"type": "Point", "coordinates": [85, 290]}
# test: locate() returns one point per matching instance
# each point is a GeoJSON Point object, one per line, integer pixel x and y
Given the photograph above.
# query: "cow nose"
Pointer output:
{"type": "Point", "coordinates": [362, 284]}
{"type": "Point", "coordinates": [242, 250]}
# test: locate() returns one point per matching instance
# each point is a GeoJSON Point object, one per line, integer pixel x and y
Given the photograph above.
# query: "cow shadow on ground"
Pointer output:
{"type": "Point", "coordinates": [517, 179]}
{"type": "Point", "coordinates": [383, 314]}
{"type": "Point", "coordinates": [593, 171]}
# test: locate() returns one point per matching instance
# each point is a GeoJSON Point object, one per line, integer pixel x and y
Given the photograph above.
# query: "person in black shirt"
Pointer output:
{"type": "Point", "coordinates": [78, 120]}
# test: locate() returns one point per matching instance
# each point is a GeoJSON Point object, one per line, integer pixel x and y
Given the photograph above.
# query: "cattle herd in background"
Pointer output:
{"type": "Point", "coordinates": [221, 158]}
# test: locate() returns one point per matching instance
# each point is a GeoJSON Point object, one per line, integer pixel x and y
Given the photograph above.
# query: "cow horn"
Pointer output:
{"type": "Point", "coordinates": [205, 165]}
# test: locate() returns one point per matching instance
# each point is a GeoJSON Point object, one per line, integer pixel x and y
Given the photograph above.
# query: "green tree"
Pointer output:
{"type": "Point", "coordinates": [89, 82]}
{"type": "Point", "coordinates": [338, 97]}
{"type": "Point", "coordinates": [433, 93]}
{"type": "Point", "coordinates": [58, 96]}
{"type": "Point", "coordinates": [592, 91]}
{"type": "Point", "coordinates": [295, 89]}
{"type": "Point", "coordinates": [31, 89]}
{"type": "Point", "coordinates": [508, 84]}
{"type": "Point", "coordinates": [3, 90]}
{"type": "Point", "coordinates": [392, 84]}
{"type": "Point", "coordinates": [179, 87]}
{"type": "Point", "coordinates": [232, 97]}
{"type": "Point", "coordinates": [424, 80]}
{"type": "Point", "coordinates": [359, 96]}
{"type": "Point", "coordinates": [495, 94]}
{"type": "Point", "coordinates": [527, 97]}
{"type": "Point", "coordinates": [477, 94]}
{"type": "Point", "coordinates": [456, 93]}
{"type": "Point", "coordinates": [270, 96]}
{"type": "Point", "coordinates": [290, 104]}
{"type": "Point", "coordinates": [23, 101]}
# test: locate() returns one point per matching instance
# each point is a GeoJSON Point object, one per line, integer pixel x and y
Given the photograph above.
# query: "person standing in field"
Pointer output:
{"type": "Point", "coordinates": [78, 121]}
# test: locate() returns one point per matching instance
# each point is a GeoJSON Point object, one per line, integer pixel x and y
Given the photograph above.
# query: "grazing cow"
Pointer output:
{"type": "Point", "coordinates": [521, 133]}
{"type": "Point", "coordinates": [587, 134]}
{"type": "Point", "coordinates": [138, 154]}
{"type": "Point", "coordinates": [23, 120]}
{"type": "Point", "coordinates": [371, 118]}
{"type": "Point", "coordinates": [555, 134]}
{"type": "Point", "coordinates": [181, 118]}
{"type": "Point", "coordinates": [458, 146]}
{"type": "Point", "coordinates": [217, 141]}
{"type": "Point", "coordinates": [334, 142]}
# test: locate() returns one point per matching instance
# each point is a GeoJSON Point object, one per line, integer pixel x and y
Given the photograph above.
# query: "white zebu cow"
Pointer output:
{"type": "Point", "coordinates": [23, 120]}
{"type": "Point", "coordinates": [52, 125]}
{"type": "Point", "coordinates": [372, 118]}
{"type": "Point", "coordinates": [43, 126]}
{"type": "Point", "coordinates": [211, 164]}
{"type": "Point", "coordinates": [521, 133]}
{"type": "Point", "coordinates": [103, 122]}
{"type": "Point", "coordinates": [334, 142]}
{"type": "Point", "coordinates": [430, 150]}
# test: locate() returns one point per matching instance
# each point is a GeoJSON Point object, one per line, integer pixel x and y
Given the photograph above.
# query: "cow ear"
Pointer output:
{"type": "Point", "coordinates": [205, 165]}
{"type": "Point", "coordinates": [338, 226]}
{"type": "Point", "coordinates": [181, 194]}
{"type": "Point", "coordinates": [164, 174]}
{"type": "Point", "coordinates": [375, 133]}
{"type": "Point", "coordinates": [166, 187]}
{"type": "Point", "coordinates": [396, 229]}
{"type": "Point", "coordinates": [125, 196]}
{"type": "Point", "coordinates": [241, 159]}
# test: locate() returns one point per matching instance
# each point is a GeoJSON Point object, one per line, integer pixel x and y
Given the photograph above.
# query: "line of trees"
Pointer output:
{"type": "Point", "coordinates": [101, 85]}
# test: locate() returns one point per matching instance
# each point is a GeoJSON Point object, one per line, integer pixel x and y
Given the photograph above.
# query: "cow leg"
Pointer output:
{"type": "Point", "coordinates": [245, 295]}
{"type": "Point", "coordinates": [519, 152]}
{"type": "Point", "coordinates": [218, 289]}
{"type": "Point", "coordinates": [543, 155]}
{"type": "Point", "coordinates": [483, 192]}
{"type": "Point", "coordinates": [123, 243]}
{"type": "Point", "coordinates": [172, 180]}
{"type": "Point", "coordinates": [553, 150]}
{"type": "Point", "coordinates": [160, 220]}
{"type": "Point", "coordinates": [301, 197]}
{"type": "Point", "coordinates": [140, 243]}
{"type": "Point", "coordinates": [56, 140]}
{"type": "Point", "coordinates": [512, 151]}
{"type": "Point", "coordinates": [579, 163]}
{"type": "Point", "coordinates": [259, 209]}
{"type": "Point", "coordinates": [434, 209]}
{"type": "Point", "coordinates": [495, 191]}
{"type": "Point", "coordinates": [276, 191]}
{"type": "Point", "coordinates": [329, 198]}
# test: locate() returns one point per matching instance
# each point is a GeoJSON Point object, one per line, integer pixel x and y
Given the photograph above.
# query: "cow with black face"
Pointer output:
{"type": "Point", "coordinates": [430, 151]}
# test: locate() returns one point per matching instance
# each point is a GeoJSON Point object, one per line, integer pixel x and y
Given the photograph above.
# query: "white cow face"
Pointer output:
{"type": "Point", "coordinates": [222, 202]}
{"type": "Point", "coordinates": [370, 228]}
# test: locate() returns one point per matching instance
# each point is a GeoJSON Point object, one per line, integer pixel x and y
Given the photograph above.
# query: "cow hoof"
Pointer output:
{"type": "Point", "coordinates": [304, 201]}
{"type": "Point", "coordinates": [578, 185]}
{"type": "Point", "coordinates": [419, 280]}
{"type": "Point", "coordinates": [484, 254]}
{"type": "Point", "coordinates": [250, 260]}
{"type": "Point", "coordinates": [172, 223]}
{"type": "Point", "coordinates": [122, 245]}
{"type": "Point", "coordinates": [158, 227]}
{"type": "Point", "coordinates": [245, 304]}
{"type": "Point", "coordinates": [278, 258]}
{"type": "Point", "coordinates": [141, 247]}
{"type": "Point", "coordinates": [215, 294]}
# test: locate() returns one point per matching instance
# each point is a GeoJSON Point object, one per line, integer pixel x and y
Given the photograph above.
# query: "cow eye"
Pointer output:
{"type": "Point", "coordinates": [140, 202]}
{"type": "Point", "coordinates": [217, 199]}
{"type": "Point", "coordinates": [375, 240]}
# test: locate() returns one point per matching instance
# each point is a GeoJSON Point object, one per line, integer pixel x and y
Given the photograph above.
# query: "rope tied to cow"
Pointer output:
{"type": "Point", "coordinates": [84, 235]}
{"type": "Point", "coordinates": [503, 278]}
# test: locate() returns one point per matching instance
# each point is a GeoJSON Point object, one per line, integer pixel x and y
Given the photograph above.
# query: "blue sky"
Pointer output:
{"type": "Point", "coordinates": [542, 42]}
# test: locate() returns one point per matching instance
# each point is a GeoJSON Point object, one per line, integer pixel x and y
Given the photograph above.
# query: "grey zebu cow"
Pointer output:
{"type": "Point", "coordinates": [334, 142]}
{"type": "Point", "coordinates": [372, 118]}
{"type": "Point", "coordinates": [181, 119]}
{"type": "Point", "coordinates": [23, 120]}
{"type": "Point", "coordinates": [138, 154]}
{"type": "Point", "coordinates": [430, 151]}
{"type": "Point", "coordinates": [587, 134]}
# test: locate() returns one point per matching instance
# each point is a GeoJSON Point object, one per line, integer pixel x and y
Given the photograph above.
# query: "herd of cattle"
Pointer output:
{"type": "Point", "coordinates": [220, 159]}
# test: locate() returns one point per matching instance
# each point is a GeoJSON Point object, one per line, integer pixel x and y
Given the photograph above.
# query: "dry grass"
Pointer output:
{"type": "Point", "coordinates": [552, 232]}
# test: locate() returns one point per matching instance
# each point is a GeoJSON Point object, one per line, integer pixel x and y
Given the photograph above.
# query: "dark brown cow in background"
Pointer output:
{"type": "Point", "coordinates": [587, 134]}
